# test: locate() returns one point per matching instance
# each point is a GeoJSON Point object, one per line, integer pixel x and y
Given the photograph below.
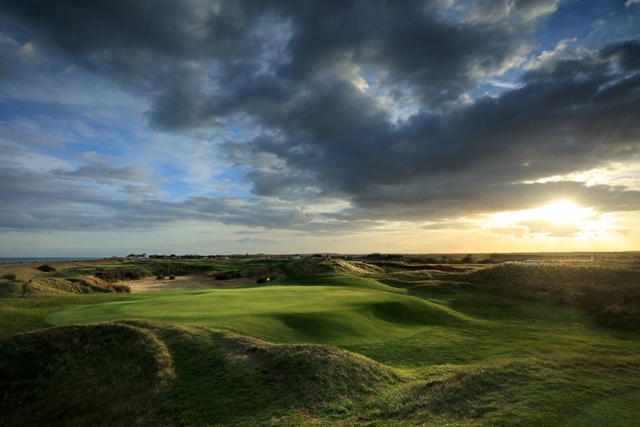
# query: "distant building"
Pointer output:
{"type": "Point", "coordinates": [297, 257]}
{"type": "Point", "coordinates": [528, 261]}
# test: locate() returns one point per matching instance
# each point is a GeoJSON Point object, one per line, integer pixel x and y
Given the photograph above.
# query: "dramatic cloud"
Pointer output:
{"type": "Point", "coordinates": [316, 116]}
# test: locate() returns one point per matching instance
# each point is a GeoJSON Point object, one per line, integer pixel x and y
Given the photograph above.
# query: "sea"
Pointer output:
{"type": "Point", "coordinates": [45, 259]}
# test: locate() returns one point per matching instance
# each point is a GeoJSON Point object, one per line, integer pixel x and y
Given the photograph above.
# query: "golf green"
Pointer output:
{"type": "Point", "coordinates": [318, 314]}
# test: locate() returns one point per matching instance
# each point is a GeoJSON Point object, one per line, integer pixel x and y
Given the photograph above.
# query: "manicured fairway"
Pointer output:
{"type": "Point", "coordinates": [318, 314]}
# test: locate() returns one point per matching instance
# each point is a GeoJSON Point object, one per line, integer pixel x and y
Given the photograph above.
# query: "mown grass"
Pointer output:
{"type": "Point", "coordinates": [494, 356]}
{"type": "Point", "coordinates": [289, 313]}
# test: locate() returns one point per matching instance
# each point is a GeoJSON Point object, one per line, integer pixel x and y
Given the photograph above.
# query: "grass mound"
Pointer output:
{"type": "Point", "coordinates": [11, 289]}
{"type": "Point", "coordinates": [410, 276]}
{"type": "Point", "coordinates": [79, 285]}
{"type": "Point", "coordinates": [147, 373]}
{"type": "Point", "coordinates": [617, 307]}
{"type": "Point", "coordinates": [444, 287]}
{"type": "Point", "coordinates": [611, 295]}
{"type": "Point", "coordinates": [550, 277]}
{"type": "Point", "coordinates": [19, 272]}
{"type": "Point", "coordinates": [316, 376]}
{"type": "Point", "coordinates": [333, 267]}
{"type": "Point", "coordinates": [100, 375]}
{"type": "Point", "coordinates": [122, 274]}
{"type": "Point", "coordinates": [410, 312]}
{"type": "Point", "coordinates": [470, 393]}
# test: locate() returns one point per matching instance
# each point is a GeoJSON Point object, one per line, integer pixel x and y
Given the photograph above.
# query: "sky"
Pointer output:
{"type": "Point", "coordinates": [272, 126]}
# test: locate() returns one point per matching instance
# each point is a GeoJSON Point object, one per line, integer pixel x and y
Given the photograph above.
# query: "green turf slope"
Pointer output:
{"type": "Point", "coordinates": [137, 373]}
{"type": "Point", "coordinates": [397, 357]}
{"type": "Point", "coordinates": [293, 314]}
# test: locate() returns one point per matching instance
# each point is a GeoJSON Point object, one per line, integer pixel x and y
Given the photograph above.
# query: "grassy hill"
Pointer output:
{"type": "Point", "coordinates": [495, 346]}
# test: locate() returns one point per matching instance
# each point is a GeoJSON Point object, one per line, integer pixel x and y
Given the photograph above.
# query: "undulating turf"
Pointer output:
{"type": "Point", "coordinates": [412, 356]}
{"type": "Point", "coordinates": [291, 313]}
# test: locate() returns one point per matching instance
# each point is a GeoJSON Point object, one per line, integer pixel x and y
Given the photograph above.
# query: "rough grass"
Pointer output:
{"type": "Point", "coordinates": [122, 274]}
{"type": "Point", "coordinates": [615, 307]}
{"type": "Point", "coordinates": [11, 289]}
{"type": "Point", "coordinates": [332, 267]}
{"type": "Point", "coordinates": [611, 295]}
{"type": "Point", "coordinates": [99, 375]}
{"type": "Point", "coordinates": [251, 271]}
{"type": "Point", "coordinates": [80, 285]}
{"type": "Point", "coordinates": [410, 276]}
{"type": "Point", "coordinates": [415, 353]}
{"type": "Point", "coordinates": [550, 277]}
{"type": "Point", "coordinates": [146, 374]}
{"type": "Point", "coordinates": [21, 272]}
{"type": "Point", "coordinates": [444, 287]}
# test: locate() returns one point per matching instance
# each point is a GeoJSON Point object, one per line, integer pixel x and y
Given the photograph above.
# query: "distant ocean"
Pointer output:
{"type": "Point", "coordinates": [45, 259]}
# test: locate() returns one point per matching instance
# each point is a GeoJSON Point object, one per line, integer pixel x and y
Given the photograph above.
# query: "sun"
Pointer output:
{"type": "Point", "coordinates": [562, 211]}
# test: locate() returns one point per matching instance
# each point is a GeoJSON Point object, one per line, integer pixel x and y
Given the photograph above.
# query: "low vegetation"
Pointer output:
{"type": "Point", "coordinates": [332, 267]}
{"type": "Point", "coordinates": [611, 295]}
{"type": "Point", "coordinates": [613, 306]}
{"type": "Point", "coordinates": [122, 274]}
{"type": "Point", "coordinates": [331, 342]}
{"type": "Point", "coordinates": [99, 375]}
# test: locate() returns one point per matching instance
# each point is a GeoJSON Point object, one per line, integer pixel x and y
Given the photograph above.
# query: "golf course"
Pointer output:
{"type": "Point", "coordinates": [318, 342]}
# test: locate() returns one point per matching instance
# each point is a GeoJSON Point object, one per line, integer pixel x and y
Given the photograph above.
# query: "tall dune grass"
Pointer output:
{"type": "Point", "coordinates": [611, 295]}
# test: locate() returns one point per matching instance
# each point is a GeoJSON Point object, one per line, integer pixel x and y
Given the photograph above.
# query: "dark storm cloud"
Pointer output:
{"type": "Point", "coordinates": [176, 51]}
{"type": "Point", "coordinates": [294, 70]}
{"type": "Point", "coordinates": [573, 115]}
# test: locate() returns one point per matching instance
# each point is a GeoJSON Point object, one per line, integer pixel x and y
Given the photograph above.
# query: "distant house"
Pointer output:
{"type": "Point", "coordinates": [297, 257]}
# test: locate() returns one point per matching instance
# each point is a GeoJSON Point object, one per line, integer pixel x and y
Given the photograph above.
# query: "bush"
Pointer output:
{"type": "Point", "coordinates": [226, 275]}
{"type": "Point", "coordinates": [121, 289]}
{"type": "Point", "coordinates": [9, 276]}
{"type": "Point", "coordinates": [46, 268]}
{"type": "Point", "coordinates": [615, 307]}
{"type": "Point", "coordinates": [179, 269]}
{"type": "Point", "coordinates": [122, 274]}
{"type": "Point", "coordinates": [172, 277]}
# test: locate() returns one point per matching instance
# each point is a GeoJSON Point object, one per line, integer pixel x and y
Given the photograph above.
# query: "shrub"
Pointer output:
{"type": "Point", "coordinates": [46, 268]}
{"type": "Point", "coordinates": [121, 289]}
{"type": "Point", "coordinates": [179, 269]}
{"type": "Point", "coordinates": [615, 307]}
{"type": "Point", "coordinates": [172, 277]}
{"type": "Point", "coordinates": [122, 274]}
{"type": "Point", "coordinates": [9, 276]}
{"type": "Point", "coordinates": [226, 275]}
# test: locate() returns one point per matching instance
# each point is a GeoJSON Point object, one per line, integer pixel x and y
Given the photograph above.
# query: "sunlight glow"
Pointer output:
{"type": "Point", "coordinates": [562, 211]}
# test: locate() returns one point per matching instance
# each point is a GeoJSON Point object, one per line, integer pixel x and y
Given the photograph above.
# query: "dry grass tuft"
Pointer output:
{"type": "Point", "coordinates": [333, 267]}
